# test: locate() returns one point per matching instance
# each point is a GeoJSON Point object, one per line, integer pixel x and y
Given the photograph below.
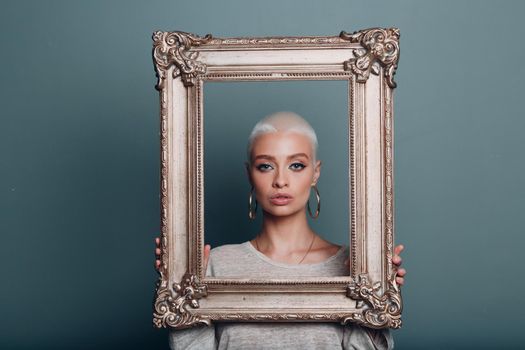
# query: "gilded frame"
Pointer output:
{"type": "Point", "coordinates": [367, 59]}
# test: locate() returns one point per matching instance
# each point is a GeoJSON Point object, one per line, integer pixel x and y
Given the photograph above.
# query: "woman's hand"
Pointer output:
{"type": "Point", "coordinates": [207, 249]}
{"type": "Point", "coordinates": [396, 261]}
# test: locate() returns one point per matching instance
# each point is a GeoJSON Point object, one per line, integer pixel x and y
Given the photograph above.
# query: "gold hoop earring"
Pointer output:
{"type": "Point", "coordinates": [251, 214]}
{"type": "Point", "coordinates": [318, 210]}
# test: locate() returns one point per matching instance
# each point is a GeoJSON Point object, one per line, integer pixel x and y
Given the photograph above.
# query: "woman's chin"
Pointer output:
{"type": "Point", "coordinates": [282, 211]}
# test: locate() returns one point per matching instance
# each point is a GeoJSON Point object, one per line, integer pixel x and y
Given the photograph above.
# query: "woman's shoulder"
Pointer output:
{"type": "Point", "coordinates": [228, 250]}
{"type": "Point", "coordinates": [326, 251]}
{"type": "Point", "coordinates": [229, 259]}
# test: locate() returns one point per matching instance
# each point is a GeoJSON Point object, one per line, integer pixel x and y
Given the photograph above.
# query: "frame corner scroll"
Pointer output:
{"type": "Point", "coordinates": [173, 48]}
{"type": "Point", "coordinates": [172, 304]}
{"type": "Point", "coordinates": [384, 310]}
{"type": "Point", "coordinates": [380, 48]}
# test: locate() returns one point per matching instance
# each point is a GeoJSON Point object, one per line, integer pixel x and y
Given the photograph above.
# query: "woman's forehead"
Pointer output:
{"type": "Point", "coordinates": [281, 143]}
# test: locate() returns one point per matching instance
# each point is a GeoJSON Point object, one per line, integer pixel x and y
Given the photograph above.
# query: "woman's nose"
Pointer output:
{"type": "Point", "coordinates": [280, 179]}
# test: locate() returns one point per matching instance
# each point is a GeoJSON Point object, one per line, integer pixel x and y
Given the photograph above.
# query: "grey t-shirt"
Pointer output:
{"type": "Point", "coordinates": [243, 260]}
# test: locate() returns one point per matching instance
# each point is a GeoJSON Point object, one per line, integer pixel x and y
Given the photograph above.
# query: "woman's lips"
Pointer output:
{"type": "Point", "coordinates": [280, 199]}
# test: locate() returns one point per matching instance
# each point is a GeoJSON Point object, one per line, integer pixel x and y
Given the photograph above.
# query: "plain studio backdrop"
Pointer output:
{"type": "Point", "coordinates": [230, 112]}
{"type": "Point", "coordinates": [79, 153]}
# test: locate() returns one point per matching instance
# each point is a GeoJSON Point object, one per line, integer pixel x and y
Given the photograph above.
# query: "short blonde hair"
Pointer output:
{"type": "Point", "coordinates": [283, 121]}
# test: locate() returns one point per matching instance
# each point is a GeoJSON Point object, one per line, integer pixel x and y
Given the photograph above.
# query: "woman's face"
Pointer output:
{"type": "Point", "coordinates": [282, 171]}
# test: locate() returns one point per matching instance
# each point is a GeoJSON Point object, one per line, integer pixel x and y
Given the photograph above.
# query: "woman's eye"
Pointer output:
{"type": "Point", "coordinates": [297, 166]}
{"type": "Point", "coordinates": [264, 167]}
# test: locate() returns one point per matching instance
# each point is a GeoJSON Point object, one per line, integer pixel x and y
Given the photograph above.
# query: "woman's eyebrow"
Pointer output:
{"type": "Point", "coordinates": [295, 155]}
{"type": "Point", "coordinates": [264, 156]}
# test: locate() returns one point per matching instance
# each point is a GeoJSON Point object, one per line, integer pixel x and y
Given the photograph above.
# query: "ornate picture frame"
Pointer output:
{"type": "Point", "coordinates": [367, 60]}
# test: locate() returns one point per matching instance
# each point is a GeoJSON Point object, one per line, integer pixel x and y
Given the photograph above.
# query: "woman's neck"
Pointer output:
{"type": "Point", "coordinates": [284, 236]}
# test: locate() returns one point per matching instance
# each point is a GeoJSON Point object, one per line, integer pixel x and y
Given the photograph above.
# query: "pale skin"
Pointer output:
{"type": "Point", "coordinates": [282, 171]}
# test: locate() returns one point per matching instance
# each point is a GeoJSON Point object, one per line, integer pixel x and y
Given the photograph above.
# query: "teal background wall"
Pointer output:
{"type": "Point", "coordinates": [79, 164]}
{"type": "Point", "coordinates": [230, 112]}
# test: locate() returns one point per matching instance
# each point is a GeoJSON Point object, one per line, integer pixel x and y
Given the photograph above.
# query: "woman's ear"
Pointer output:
{"type": "Point", "coordinates": [317, 172]}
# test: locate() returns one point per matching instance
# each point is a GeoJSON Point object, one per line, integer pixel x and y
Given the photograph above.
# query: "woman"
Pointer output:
{"type": "Point", "coordinates": [282, 168]}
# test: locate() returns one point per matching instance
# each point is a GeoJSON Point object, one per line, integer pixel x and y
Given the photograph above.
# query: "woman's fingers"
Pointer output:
{"type": "Point", "coordinates": [157, 253]}
{"type": "Point", "coordinates": [396, 260]}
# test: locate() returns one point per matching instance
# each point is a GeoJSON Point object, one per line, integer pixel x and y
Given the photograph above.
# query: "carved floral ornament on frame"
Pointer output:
{"type": "Point", "coordinates": [367, 60]}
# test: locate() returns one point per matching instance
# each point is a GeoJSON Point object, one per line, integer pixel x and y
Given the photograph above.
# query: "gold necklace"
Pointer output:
{"type": "Point", "coordinates": [308, 251]}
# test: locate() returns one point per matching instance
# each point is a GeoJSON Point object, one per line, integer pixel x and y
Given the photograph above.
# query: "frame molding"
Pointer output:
{"type": "Point", "coordinates": [368, 60]}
